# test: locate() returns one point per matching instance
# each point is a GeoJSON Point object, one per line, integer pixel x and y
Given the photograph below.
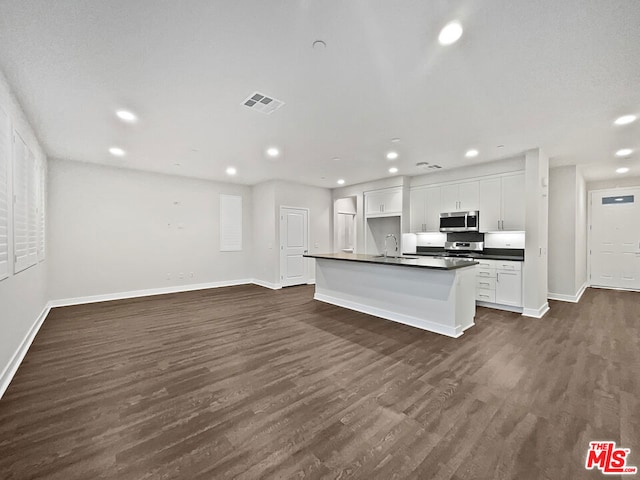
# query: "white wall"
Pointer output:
{"type": "Point", "coordinates": [358, 190]}
{"type": "Point", "coordinates": [621, 181]}
{"type": "Point", "coordinates": [562, 230]}
{"type": "Point", "coordinates": [567, 232]}
{"type": "Point", "coordinates": [581, 230]}
{"type": "Point", "coordinates": [535, 281]}
{"type": "Point", "coordinates": [320, 205]}
{"type": "Point", "coordinates": [22, 296]}
{"type": "Point", "coordinates": [114, 230]}
{"type": "Point", "coordinates": [516, 164]}
{"type": "Point", "coordinates": [376, 235]}
{"type": "Point", "coordinates": [268, 198]}
{"type": "Point", "coordinates": [265, 246]}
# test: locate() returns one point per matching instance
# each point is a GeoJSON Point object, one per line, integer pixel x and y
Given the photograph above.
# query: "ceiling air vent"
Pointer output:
{"type": "Point", "coordinates": [262, 103]}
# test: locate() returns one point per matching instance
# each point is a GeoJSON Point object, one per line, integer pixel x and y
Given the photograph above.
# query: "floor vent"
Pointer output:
{"type": "Point", "coordinates": [262, 103]}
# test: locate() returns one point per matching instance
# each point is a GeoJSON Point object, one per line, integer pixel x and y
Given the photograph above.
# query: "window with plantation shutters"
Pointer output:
{"type": "Point", "coordinates": [5, 154]}
{"type": "Point", "coordinates": [42, 195]}
{"type": "Point", "coordinates": [33, 186]}
{"type": "Point", "coordinates": [21, 196]}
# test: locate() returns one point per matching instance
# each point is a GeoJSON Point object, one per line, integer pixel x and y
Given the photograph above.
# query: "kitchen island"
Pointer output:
{"type": "Point", "coordinates": [432, 294]}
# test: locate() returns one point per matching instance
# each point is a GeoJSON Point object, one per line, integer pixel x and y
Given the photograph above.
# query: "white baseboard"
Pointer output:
{"type": "Point", "coordinates": [536, 312]}
{"type": "Point", "coordinates": [311, 281]}
{"type": "Point", "coordinates": [146, 293]}
{"type": "Point", "coordinates": [614, 288]}
{"type": "Point", "coordinates": [262, 283]}
{"type": "Point", "coordinates": [396, 317]}
{"type": "Point", "coordinates": [18, 356]}
{"type": "Point", "coordinates": [498, 306]}
{"type": "Point", "coordinates": [568, 298]}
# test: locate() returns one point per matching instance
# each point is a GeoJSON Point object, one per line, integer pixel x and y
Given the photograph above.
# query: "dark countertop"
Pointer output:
{"type": "Point", "coordinates": [417, 261]}
{"type": "Point", "coordinates": [502, 255]}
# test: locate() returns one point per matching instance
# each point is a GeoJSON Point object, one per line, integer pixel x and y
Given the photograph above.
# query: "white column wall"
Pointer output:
{"type": "Point", "coordinates": [23, 296]}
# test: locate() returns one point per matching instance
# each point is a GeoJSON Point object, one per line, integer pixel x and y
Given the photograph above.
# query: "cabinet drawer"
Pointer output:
{"type": "Point", "coordinates": [484, 295]}
{"type": "Point", "coordinates": [485, 272]}
{"type": "Point", "coordinates": [506, 265]}
{"type": "Point", "coordinates": [487, 283]}
{"type": "Point", "coordinates": [486, 264]}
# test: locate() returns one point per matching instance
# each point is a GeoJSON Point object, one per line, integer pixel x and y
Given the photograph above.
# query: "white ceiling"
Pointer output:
{"type": "Point", "coordinates": [545, 73]}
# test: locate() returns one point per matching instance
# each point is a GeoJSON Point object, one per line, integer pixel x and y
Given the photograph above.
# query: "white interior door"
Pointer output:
{"type": "Point", "coordinates": [615, 238]}
{"type": "Point", "coordinates": [294, 242]}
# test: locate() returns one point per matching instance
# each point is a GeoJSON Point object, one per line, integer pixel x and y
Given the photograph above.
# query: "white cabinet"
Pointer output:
{"type": "Point", "coordinates": [499, 282]}
{"type": "Point", "coordinates": [460, 196]}
{"type": "Point", "coordinates": [383, 203]}
{"type": "Point", "coordinates": [490, 204]}
{"type": "Point", "coordinates": [417, 210]}
{"type": "Point", "coordinates": [425, 209]}
{"type": "Point", "coordinates": [433, 209]}
{"type": "Point", "coordinates": [502, 203]}
{"type": "Point", "coordinates": [509, 287]}
{"type": "Point", "coordinates": [513, 202]}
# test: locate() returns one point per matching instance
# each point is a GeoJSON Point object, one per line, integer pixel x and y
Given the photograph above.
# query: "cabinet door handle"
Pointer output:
{"type": "Point", "coordinates": [498, 224]}
{"type": "Point", "coordinates": [484, 283]}
{"type": "Point", "coordinates": [497, 277]}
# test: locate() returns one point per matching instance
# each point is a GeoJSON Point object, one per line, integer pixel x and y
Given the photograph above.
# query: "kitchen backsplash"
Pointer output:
{"type": "Point", "coordinates": [437, 239]}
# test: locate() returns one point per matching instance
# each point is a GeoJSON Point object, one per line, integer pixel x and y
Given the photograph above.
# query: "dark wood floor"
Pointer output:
{"type": "Point", "coordinates": [244, 382]}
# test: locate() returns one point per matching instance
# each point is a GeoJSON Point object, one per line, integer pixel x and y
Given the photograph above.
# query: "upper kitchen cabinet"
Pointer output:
{"type": "Point", "coordinates": [460, 197]}
{"type": "Point", "coordinates": [502, 203]}
{"type": "Point", "coordinates": [417, 205]}
{"type": "Point", "coordinates": [383, 203]}
{"type": "Point", "coordinates": [425, 209]}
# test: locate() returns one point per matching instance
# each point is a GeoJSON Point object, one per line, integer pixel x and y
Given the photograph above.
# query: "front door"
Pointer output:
{"type": "Point", "coordinates": [615, 238]}
{"type": "Point", "coordinates": [294, 242]}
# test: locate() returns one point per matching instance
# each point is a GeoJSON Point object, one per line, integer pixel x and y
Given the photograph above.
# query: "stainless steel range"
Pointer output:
{"type": "Point", "coordinates": [462, 249]}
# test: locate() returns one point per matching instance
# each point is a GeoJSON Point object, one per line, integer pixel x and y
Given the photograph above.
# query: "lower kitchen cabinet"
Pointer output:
{"type": "Point", "coordinates": [499, 283]}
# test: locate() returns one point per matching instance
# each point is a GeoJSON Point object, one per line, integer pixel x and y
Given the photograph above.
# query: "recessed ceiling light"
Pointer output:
{"type": "Point", "coordinates": [622, 170]}
{"type": "Point", "coordinates": [273, 152]}
{"type": "Point", "coordinates": [625, 120]}
{"type": "Point", "coordinates": [231, 171]}
{"type": "Point", "coordinates": [450, 34]}
{"type": "Point", "coordinates": [393, 170]}
{"type": "Point", "coordinates": [336, 159]}
{"type": "Point", "coordinates": [117, 152]}
{"type": "Point", "coordinates": [395, 140]}
{"type": "Point", "coordinates": [126, 115]}
{"type": "Point", "coordinates": [471, 153]}
{"type": "Point", "coordinates": [392, 155]}
{"type": "Point", "coordinates": [624, 152]}
{"type": "Point", "coordinates": [341, 182]}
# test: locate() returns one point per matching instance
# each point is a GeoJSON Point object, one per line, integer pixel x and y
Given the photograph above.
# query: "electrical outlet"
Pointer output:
{"type": "Point", "coordinates": [181, 275]}
{"type": "Point", "coordinates": [316, 245]}
{"type": "Point", "coordinates": [191, 275]}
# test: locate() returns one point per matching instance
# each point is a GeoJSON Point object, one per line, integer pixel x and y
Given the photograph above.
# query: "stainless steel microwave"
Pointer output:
{"type": "Point", "coordinates": [460, 221]}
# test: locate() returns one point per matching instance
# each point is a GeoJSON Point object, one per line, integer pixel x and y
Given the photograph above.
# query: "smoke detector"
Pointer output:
{"type": "Point", "coordinates": [262, 103]}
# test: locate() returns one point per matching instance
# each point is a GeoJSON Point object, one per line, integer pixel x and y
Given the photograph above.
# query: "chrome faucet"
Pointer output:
{"type": "Point", "coordinates": [395, 239]}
